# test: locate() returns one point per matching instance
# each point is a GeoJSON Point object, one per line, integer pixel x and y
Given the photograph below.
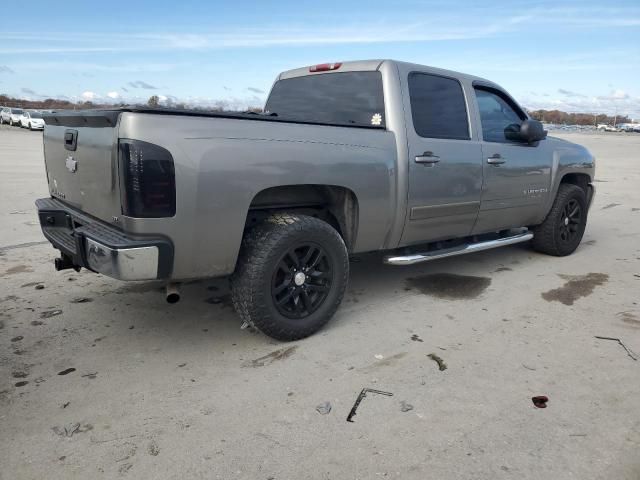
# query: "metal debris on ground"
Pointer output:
{"type": "Point", "coordinates": [71, 429]}
{"type": "Point", "coordinates": [50, 313]}
{"type": "Point", "coordinates": [540, 401]}
{"type": "Point", "coordinates": [441, 365]}
{"type": "Point", "coordinates": [82, 300]}
{"type": "Point", "coordinates": [405, 407]}
{"type": "Point", "coordinates": [324, 408]}
{"type": "Point", "coordinates": [361, 397]}
{"type": "Point", "coordinates": [629, 352]}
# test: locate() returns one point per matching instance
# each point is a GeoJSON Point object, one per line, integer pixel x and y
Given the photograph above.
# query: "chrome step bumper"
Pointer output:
{"type": "Point", "coordinates": [459, 250]}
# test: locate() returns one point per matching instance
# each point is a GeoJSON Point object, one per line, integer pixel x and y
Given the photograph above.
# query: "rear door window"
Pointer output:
{"type": "Point", "coordinates": [347, 98]}
{"type": "Point", "coordinates": [438, 107]}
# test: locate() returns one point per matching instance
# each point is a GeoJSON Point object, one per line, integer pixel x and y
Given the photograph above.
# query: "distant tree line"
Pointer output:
{"type": "Point", "coordinates": [550, 116]}
{"type": "Point", "coordinates": [50, 104]}
{"type": "Point", "coordinates": [564, 118]}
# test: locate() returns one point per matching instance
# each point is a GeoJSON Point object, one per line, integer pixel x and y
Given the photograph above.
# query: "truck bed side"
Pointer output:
{"type": "Point", "coordinates": [222, 164]}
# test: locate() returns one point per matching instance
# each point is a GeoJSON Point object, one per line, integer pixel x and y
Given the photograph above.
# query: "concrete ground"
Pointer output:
{"type": "Point", "coordinates": [102, 379]}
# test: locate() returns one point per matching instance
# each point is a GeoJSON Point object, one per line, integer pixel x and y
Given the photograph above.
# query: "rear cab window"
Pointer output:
{"type": "Point", "coordinates": [345, 98]}
{"type": "Point", "coordinates": [438, 107]}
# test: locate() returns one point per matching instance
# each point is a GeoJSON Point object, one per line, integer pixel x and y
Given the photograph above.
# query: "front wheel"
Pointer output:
{"type": "Point", "coordinates": [291, 276]}
{"type": "Point", "coordinates": [562, 230]}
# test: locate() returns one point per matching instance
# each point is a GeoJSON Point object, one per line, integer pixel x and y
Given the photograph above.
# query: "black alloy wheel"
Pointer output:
{"type": "Point", "coordinates": [301, 281]}
{"type": "Point", "coordinates": [570, 221]}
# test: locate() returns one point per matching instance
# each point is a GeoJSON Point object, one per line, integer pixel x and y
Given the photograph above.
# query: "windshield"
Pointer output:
{"type": "Point", "coordinates": [35, 115]}
{"type": "Point", "coordinates": [16, 110]}
{"type": "Point", "coordinates": [350, 98]}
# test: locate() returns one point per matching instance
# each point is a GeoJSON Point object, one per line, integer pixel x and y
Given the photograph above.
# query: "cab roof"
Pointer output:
{"type": "Point", "coordinates": [372, 65]}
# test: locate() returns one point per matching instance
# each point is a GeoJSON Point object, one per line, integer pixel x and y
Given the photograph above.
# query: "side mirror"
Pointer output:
{"type": "Point", "coordinates": [532, 131]}
{"type": "Point", "coordinates": [529, 131]}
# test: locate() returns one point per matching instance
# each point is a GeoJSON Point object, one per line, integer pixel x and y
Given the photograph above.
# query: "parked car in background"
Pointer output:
{"type": "Point", "coordinates": [14, 116]}
{"type": "Point", "coordinates": [32, 120]}
{"type": "Point", "coordinates": [629, 127]}
{"type": "Point", "coordinates": [5, 115]}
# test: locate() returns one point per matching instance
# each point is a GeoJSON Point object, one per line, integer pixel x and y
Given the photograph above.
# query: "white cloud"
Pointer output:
{"type": "Point", "coordinates": [89, 96]}
{"type": "Point", "coordinates": [113, 95]}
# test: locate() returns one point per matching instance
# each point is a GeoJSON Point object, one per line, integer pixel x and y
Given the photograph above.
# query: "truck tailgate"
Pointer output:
{"type": "Point", "coordinates": [81, 157]}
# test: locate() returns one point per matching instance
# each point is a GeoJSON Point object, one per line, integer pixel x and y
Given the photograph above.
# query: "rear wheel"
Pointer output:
{"type": "Point", "coordinates": [291, 276]}
{"type": "Point", "coordinates": [562, 230]}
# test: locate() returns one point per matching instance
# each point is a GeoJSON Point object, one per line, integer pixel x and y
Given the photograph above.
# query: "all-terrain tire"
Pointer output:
{"type": "Point", "coordinates": [560, 233]}
{"type": "Point", "coordinates": [265, 252]}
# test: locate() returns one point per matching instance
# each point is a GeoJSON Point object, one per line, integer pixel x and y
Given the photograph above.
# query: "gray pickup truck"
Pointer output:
{"type": "Point", "coordinates": [351, 157]}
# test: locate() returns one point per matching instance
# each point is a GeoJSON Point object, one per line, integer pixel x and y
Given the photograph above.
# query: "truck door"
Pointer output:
{"type": "Point", "coordinates": [517, 176]}
{"type": "Point", "coordinates": [445, 163]}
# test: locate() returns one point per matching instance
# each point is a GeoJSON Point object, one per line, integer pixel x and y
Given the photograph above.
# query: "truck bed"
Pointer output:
{"type": "Point", "coordinates": [109, 117]}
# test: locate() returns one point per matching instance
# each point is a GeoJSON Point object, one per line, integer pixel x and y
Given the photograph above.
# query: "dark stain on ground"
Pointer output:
{"type": "Point", "coordinates": [67, 371]}
{"type": "Point", "coordinates": [629, 318]}
{"type": "Point", "coordinates": [589, 242]}
{"type": "Point", "coordinates": [441, 365]}
{"type": "Point", "coordinates": [17, 339]}
{"type": "Point", "coordinates": [50, 313]}
{"type": "Point", "coordinates": [224, 301]}
{"type": "Point", "coordinates": [18, 269]}
{"type": "Point", "coordinates": [449, 285]}
{"type": "Point", "coordinates": [611, 205]}
{"type": "Point", "coordinates": [576, 286]}
{"type": "Point", "coordinates": [30, 284]}
{"type": "Point", "coordinates": [635, 209]}
{"type": "Point", "coordinates": [35, 323]}
{"type": "Point", "coordinates": [503, 269]}
{"type": "Point", "coordinates": [280, 354]}
{"type": "Point", "coordinates": [139, 288]}
{"type": "Point", "coordinates": [19, 374]}
{"type": "Point", "coordinates": [21, 384]}
{"type": "Point", "coordinates": [416, 338]}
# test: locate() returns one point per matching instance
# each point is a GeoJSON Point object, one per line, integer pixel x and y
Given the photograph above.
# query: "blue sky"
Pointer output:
{"type": "Point", "coordinates": [572, 55]}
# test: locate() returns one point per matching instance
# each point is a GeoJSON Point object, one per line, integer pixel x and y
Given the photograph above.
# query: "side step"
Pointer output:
{"type": "Point", "coordinates": [459, 250]}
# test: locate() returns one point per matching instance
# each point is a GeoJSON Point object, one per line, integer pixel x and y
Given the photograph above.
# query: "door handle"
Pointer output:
{"type": "Point", "coordinates": [427, 157]}
{"type": "Point", "coordinates": [496, 159]}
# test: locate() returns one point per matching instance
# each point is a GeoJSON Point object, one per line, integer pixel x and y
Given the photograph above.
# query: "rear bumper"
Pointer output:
{"type": "Point", "coordinates": [95, 245]}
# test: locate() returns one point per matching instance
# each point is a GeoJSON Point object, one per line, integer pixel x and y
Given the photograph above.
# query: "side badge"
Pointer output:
{"type": "Point", "coordinates": [72, 165]}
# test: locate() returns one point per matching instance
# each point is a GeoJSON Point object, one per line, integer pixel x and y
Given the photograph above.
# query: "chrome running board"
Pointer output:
{"type": "Point", "coordinates": [459, 250]}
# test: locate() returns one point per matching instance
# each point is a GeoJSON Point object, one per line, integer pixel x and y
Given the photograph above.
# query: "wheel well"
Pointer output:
{"type": "Point", "coordinates": [337, 206]}
{"type": "Point", "coordinates": [582, 180]}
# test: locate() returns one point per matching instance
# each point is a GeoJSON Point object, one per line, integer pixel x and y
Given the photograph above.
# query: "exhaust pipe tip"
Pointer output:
{"type": "Point", "coordinates": [172, 293]}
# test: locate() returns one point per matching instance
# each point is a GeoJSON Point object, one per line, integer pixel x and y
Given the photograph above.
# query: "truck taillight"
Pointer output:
{"type": "Point", "coordinates": [148, 180]}
{"type": "Point", "coordinates": [325, 67]}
